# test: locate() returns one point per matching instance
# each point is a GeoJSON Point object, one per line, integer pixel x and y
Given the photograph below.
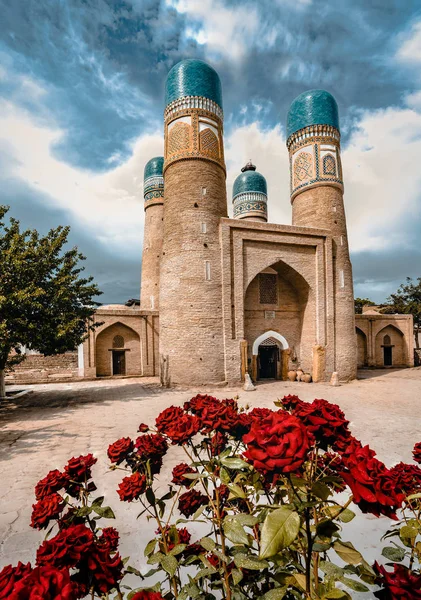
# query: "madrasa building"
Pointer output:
{"type": "Point", "coordinates": [222, 297]}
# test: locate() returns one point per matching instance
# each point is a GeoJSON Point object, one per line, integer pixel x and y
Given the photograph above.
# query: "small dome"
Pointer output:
{"type": "Point", "coordinates": [314, 107]}
{"type": "Point", "coordinates": [249, 181]}
{"type": "Point", "coordinates": [192, 77]}
{"type": "Point", "coordinates": [154, 167]}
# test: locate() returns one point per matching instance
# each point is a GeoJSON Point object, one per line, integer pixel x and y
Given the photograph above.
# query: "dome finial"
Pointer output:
{"type": "Point", "coordinates": [249, 167]}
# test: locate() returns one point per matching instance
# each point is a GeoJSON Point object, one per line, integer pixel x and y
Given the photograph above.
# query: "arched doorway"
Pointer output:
{"type": "Point", "coordinates": [268, 355]}
{"type": "Point", "coordinates": [117, 351]}
{"type": "Point", "coordinates": [361, 348]}
{"type": "Point", "coordinates": [390, 347]}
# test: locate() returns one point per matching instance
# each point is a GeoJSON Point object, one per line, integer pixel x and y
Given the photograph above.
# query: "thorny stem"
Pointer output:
{"type": "Point", "coordinates": [164, 540]}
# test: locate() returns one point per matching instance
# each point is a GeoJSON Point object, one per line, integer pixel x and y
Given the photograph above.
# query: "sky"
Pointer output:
{"type": "Point", "coordinates": [82, 100]}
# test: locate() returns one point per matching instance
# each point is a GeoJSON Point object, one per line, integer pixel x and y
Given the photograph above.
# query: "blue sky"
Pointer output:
{"type": "Point", "coordinates": [81, 92]}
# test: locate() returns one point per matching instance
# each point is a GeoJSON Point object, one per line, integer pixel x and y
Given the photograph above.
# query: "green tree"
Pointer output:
{"type": "Point", "coordinates": [407, 301]}
{"type": "Point", "coordinates": [360, 302]}
{"type": "Point", "coordinates": [44, 302]}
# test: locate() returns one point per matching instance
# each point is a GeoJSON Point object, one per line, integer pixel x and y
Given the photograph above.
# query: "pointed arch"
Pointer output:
{"type": "Point", "coordinates": [269, 334]}
{"type": "Point", "coordinates": [117, 342]}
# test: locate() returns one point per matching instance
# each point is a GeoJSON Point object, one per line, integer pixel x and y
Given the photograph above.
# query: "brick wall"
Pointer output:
{"type": "Point", "coordinates": [37, 368]}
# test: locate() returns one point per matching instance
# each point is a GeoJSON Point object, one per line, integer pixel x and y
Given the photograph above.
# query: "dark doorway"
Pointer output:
{"type": "Point", "coordinates": [268, 356]}
{"type": "Point", "coordinates": [119, 362]}
{"type": "Point", "coordinates": [387, 353]}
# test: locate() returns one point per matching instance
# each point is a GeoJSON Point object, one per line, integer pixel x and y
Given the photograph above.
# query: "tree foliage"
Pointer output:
{"type": "Point", "coordinates": [45, 303]}
{"type": "Point", "coordinates": [360, 302]}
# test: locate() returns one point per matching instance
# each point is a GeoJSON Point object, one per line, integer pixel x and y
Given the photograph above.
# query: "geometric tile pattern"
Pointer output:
{"type": "Point", "coordinates": [303, 168]}
{"type": "Point", "coordinates": [329, 165]}
{"type": "Point", "coordinates": [268, 288]}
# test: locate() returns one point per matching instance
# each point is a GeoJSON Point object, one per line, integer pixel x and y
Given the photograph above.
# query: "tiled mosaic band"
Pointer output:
{"type": "Point", "coordinates": [192, 102]}
{"type": "Point", "coordinates": [153, 190]}
{"type": "Point", "coordinates": [319, 131]}
{"type": "Point", "coordinates": [249, 204]}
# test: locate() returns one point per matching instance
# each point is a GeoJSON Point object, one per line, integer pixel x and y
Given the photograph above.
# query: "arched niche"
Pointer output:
{"type": "Point", "coordinates": [117, 349]}
{"type": "Point", "coordinates": [277, 300]}
{"type": "Point", "coordinates": [362, 359]}
{"type": "Point", "coordinates": [392, 352]}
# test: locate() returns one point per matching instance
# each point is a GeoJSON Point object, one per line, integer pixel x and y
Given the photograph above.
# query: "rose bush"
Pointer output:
{"type": "Point", "coordinates": [270, 489]}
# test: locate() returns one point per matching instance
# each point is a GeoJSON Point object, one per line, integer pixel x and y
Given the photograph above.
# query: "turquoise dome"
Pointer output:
{"type": "Point", "coordinates": [154, 167]}
{"type": "Point", "coordinates": [314, 107]}
{"type": "Point", "coordinates": [193, 77]}
{"type": "Point", "coordinates": [249, 181]}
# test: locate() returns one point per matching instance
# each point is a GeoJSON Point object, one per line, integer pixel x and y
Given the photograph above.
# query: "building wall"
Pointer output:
{"type": "Point", "coordinates": [371, 329]}
{"type": "Point", "coordinates": [37, 368]}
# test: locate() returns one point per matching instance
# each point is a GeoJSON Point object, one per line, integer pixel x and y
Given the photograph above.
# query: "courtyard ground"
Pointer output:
{"type": "Point", "coordinates": [42, 430]}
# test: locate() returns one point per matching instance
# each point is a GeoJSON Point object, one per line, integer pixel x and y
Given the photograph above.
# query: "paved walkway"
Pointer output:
{"type": "Point", "coordinates": [42, 430]}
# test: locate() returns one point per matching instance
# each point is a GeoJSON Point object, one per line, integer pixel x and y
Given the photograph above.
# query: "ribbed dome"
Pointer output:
{"type": "Point", "coordinates": [314, 107]}
{"type": "Point", "coordinates": [154, 167]}
{"type": "Point", "coordinates": [249, 181]}
{"type": "Point", "coordinates": [193, 77]}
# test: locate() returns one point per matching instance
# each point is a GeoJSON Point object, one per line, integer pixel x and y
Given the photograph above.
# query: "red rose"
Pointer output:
{"type": "Point", "coordinates": [152, 448]}
{"type": "Point", "coordinates": [291, 402]}
{"type": "Point", "coordinates": [189, 502]}
{"type": "Point", "coordinates": [174, 536]}
{"type": "Point", "coordinates": [193, 550]}
{"type": "Point", "coordinates": [279, 443]}
{"type": "Point", "coordinates": [9, 576]}
{"type": "Point", "coordinates": [147, 595]}
{"type": "Point", "coordinates": [67, 548]}
{"type": "Point", "coordinates": [79, 469]}
{"type": "Point", "coordinates": [46, 509]}
{"type": "Point", "coordinates": [197, 404]}
{"type": "Point", "coordinates": [220, 415]}
{"type": "Point", "coordinates": [400, 584]}
{"type": "Point", "coordinates": [326, 421]}
{"type": "Point", "coordinates": [218, 443]}
{"type": "Point", "coordinates": [44, 582]}
{"type": "Point", "coordinates": [371, 483]}
{"type": "Point", "coordinates": [111, 537]}
{"type": "Point", "coordinates": [118, 451]}
{"type": "Point", "coordinates": [178, 475]}
{"type": "Point", "coordinates": [106, 570]}
{"type": "Point", "coordinates": [53, 482]}
{"type": "Point", "coordinates": [260, 413]}
{"type": "Point", "coordinates": [143, 428]}
{"type": "Point", "coordinates": [407, 478]}
{"type": "Point", "coordinates": [177, 425]}
{"type": "Point", "coordinates": [131, 487]}
{"type": "Point", "coordinates": [417, 452]}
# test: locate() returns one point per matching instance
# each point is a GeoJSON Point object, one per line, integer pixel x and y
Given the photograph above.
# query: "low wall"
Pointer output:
{"type": "Point", "coordinates": [37, 368]}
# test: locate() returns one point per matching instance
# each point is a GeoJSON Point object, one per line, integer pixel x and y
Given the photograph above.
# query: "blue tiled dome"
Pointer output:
{"type": "Point", "coordinates": [249, 181]}
{"type": "Point", "coordinates": [314, 107]}
{"type": "Point", "coordinates": [154, 167]}
{"type": "Point", "coordinates": [192, 77]}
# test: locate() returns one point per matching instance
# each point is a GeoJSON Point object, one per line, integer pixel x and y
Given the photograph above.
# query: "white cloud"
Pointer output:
{"type": "Point", "coordinates": [226, 31]}
{"type": "Point", "coordinates": [110, 204]}
{"type": "Point", "coordinates": [410, 50]}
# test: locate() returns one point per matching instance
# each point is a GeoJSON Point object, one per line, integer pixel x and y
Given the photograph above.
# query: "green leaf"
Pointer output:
{"type": "Point", "coordinates": [301, 580]}
{"type": "Point", "coordinates": [130, 569]}
{"type": "Point", "coordinates": [346, 515]}
{"type": "Point", "coordinates": [107, 512]}
{"type": "Point", "coordinates": [347, 552]}
{"type": "Point", "coordinates": [326, 528]}
{"type": "Point", "coordinates": [235, 463]}
{"type": "Point", "coordinates": [320, 490]}
{"type": "Point", "coordinates": [243, 561]}
{"type": "Point", "coordinates": [178, 549]}
{"type": "Point", "coordinates": [236, 491]}
{"type": "Point", "coordinates": [236, 575]}
{"type": "Point", "coordinates": [331, 570]}
{"type": "Point", "coordinates": [150, 547]}
{"type": "Point", "coordinates": [170, 564]}
{"type": "Point", "coordinates": [224, 476]}
{"type": "Point", "coordinates": [246, 520]}
{"type": "Point", "coordinates": [150, 496]}
{"type": "Point", "coordinates": [84, 511]}
{"type": "Point", "coordinates": [207, 543]}
{"type": "Point", "coordinates": [394, 553]}
{"type": "Point", "coordinates": [354, 585]}
{"type": "Point", "coordinates": [337, 595]}
{"type": "Point", "coordinates": [279, 530]}
{"type": "Point", "coordinates": [98, 501]}
{"type": "Point", "coordinates": [407, 532]}
{"type": "Point", "coordinates": [275, 594]}
{"type": "Point", "coordinates": [234, 531]}
{"type": "Point", "coordinates": [155, 558]}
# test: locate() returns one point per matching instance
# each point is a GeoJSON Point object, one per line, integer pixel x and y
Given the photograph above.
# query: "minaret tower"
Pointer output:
{"type": "Point", "coordinates": [249, 195]}
{"type": "Point", "coordinates": [317, 201]}
{"type": "Point", "coordinates": [191, 338]}
{"type": "Point", "coordinates": [153, 191]}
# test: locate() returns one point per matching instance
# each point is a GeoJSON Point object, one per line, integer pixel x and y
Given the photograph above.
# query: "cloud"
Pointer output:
{"type": "Point", "coordinates": [410, 50]}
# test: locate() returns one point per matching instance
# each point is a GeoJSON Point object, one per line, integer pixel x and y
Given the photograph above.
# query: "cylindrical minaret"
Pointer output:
{"type": "Point", "coordinates": [317, 201]}
{"type": "Point", "coordinates": [153, 191]}
{"type": "Point", "coordinates": [190, 304]}
{"type": "Point", "coordinates": [249, 195]}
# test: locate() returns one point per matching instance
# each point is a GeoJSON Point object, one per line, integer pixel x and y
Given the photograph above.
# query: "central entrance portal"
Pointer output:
{"type": "Point", "coordinates": [268, 358]}
{"type": "Point", "coordinates": [119, 362]}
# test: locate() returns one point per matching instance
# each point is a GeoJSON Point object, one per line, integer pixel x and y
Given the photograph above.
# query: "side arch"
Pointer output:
{"type": "Point", "coordinates": [392, 354]}
{"type": "Point", "coordinates": [269, 334]}
{"type": "Point", "coordinates": [362, 358]}
{"type": "Point", "coordinates": [128, 352]}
